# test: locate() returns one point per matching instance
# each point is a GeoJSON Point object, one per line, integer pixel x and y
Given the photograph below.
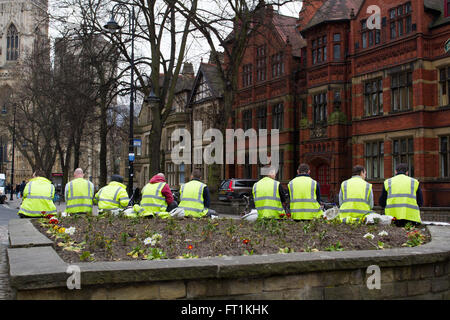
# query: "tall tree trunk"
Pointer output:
{"type": "Point", "coordinates": [103, 147]}
{"type": "Point", "coordinates": [155, 148]}
{"type": "Point", "coordinates": [77, 148]}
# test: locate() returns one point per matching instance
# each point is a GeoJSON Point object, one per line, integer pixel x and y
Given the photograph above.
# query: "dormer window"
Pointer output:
{"type": "Point", "coordinates": [400, 20]}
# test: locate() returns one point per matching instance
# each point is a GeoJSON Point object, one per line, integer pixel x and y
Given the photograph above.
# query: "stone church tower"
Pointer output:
{"type": "Point", "coordinates": [22, 22]}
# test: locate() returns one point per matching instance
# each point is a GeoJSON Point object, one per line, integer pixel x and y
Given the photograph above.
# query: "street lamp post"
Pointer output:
{"type": "Point", "coordinates": [13, 145]}
{"type": "Point", "coordinates": [112, 26]}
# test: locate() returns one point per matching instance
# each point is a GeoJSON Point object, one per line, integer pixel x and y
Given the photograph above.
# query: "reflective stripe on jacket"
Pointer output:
{"type": "Point", "coordinates": [192, 200]}
{"type": "Point", "coordinates": [267, 200]}
{"type": "Point", "coordinates": [152, 198]}
{"type": "Point", "coordinates": [401, 201]}
{"type": "Point", "coordinates": [79, 194]}
{"type": "Point", "coordinates": [355, 196]}
{"type": "Point", "coordinates": [112, 196]}
{"type": "Point", "coordinates": [38, 198]}
{"type": "Point", "coordinates": [303, 199]}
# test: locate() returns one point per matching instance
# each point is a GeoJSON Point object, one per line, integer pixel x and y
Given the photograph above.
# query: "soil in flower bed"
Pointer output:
{"type": "Point", "coordinates": [108, 238]}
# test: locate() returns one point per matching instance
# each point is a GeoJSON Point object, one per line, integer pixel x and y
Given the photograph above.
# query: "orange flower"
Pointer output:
{"type": "Point", "coordinates": [190, 247]}
{"type": "Point", "coordinates": [245, 241]}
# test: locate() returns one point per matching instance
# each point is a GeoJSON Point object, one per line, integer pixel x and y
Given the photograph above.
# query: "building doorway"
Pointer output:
{"type": "Point", "coordinates": [323, 178]}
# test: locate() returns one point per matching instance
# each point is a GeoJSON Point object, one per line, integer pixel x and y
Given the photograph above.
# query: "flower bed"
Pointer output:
{"type": "Point", "coordinates": [108, 238]}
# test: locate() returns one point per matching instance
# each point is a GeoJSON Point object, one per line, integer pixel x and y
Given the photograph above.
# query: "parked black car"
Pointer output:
{"type": "Point", "coordinates": [231, 189]}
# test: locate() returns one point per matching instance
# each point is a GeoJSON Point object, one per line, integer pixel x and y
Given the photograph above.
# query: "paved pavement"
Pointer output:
{"type": "Point", "coordinates": [6, 213]}
{"type": "Point", "coordinates": [9, 211]}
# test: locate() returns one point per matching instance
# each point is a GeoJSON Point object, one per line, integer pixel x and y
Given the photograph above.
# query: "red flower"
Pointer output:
{"type": "Point", "coordinates": [190, 247]}
{"type": "Point", "coordinates": [245, 241]}
{"type": "Point", "coordinates": [53, 220]}
{"type": "Point", "coordinates": [282, 215]}
{"type": "Point", "coordinates": [288, 215]}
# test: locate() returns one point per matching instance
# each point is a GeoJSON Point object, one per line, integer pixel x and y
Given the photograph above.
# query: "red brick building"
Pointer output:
{"type": "Point", "coordinates": [378, 97]}
{"type": "Point", "coordinates": [363, 95]}
{"type": "Point", "coordinates": [266, 96]}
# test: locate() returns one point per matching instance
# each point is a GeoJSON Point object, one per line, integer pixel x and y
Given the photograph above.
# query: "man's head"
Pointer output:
{"type": "Point", "coordinates": [78, 173]}
{"type": "Point", "coordinates": [359, 170]}
{"type": "Point", "coordinates": [161, 175]}
{"type": "Point", "coordinates": [196, 174]}
{"type": "Point", "coordinates": [271, 172]}
{"type": "Point", "coordinates": [38, 173]}
{"type": "Point", "coordinates": [303, 168]}
{"type": "Point", "coordinates": [401, 168]}
{"type": "Point", "coordinates": [117, 178]}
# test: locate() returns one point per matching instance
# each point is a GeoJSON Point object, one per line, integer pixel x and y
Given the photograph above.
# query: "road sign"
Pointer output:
{"type": "Point", "coordinates": [131, 156]}
{"type": "Point", "coordinates": [137, 142]}
{"type": "Point", "coordinates": [447, 46]}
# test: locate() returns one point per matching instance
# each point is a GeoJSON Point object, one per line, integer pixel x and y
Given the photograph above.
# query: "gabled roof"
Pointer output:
{"type": "Point", "coordinates": [286, 27]}
{"type": "Point", "coordinates": [339, 10]}
{"type": "Point", "coordinates": [211, 74]}
{"type": "Point", "coordinates": [212, 77]}
{"type": "Point", "coordinates": [184, 83]}
{"type": "Point", "coordinates": [437, 7]}
{"type": "Point", "coordinates": [334, 10]}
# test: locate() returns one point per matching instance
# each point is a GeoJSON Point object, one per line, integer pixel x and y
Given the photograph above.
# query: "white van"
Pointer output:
{"type": "Point", "coordinates": [2, 188]}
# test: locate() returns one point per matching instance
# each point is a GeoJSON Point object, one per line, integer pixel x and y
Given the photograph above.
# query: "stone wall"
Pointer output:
{"type": "Point", "coordinates": [422, 272]}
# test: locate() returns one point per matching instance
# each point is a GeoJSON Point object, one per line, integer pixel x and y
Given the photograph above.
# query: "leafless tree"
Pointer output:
{"type": "Point", "coordinates": [163, 32]}
{"type": "Point", "coordinates": [35, 117]}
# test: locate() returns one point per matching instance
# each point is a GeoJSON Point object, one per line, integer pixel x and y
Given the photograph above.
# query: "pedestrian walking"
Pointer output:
{"type": "Point", "coordinates": [22, 187]}
{"type": "Point", "coordinates": [17, 190]}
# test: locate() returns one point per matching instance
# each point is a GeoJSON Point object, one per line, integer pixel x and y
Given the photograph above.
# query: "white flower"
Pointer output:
{"type": "Point", "coordinates": [70, 230]}
{"type": "Point", "coordinates": [149, 241]}
{"type": "Point", "coordinates": [157, 237]}
{"type": "Point", "coordinates": [383, 233]}
{"type": "Point", "coordinates": [64, 214]}
{"type": "Point", "coordinates": [369, 236]}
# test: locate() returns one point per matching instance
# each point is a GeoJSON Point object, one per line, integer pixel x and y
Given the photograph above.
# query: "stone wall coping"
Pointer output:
{"type": "Point", "coordinates": [22, 233]}
{"type": "Point", "coordinates": [41, 267]}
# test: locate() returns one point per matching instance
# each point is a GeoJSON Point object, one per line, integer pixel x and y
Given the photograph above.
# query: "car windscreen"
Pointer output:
{"type": "Point", "coordinates": [244, 183]}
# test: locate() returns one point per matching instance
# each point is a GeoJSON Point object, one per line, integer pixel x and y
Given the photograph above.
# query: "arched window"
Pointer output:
{"type": "Point", "coordinates": [12, 43]}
